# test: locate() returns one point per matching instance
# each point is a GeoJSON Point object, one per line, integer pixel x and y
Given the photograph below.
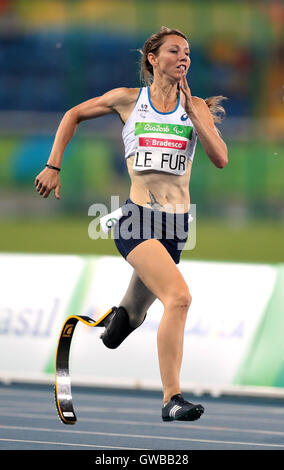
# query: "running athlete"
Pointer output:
{"type": "Point", "coordinates": [161, 125]}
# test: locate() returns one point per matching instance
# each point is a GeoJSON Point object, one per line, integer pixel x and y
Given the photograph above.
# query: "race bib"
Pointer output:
{"type": "Point", "coordinates": [162, 147]}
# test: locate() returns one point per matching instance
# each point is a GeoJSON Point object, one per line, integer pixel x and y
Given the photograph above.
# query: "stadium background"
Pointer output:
{"type": "Point", "coordinates": [53, 55]}
{"type": "Point", "coordinates": [56, 54]}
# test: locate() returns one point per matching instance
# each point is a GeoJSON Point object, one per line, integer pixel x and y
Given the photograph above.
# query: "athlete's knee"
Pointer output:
{"type": "Point", "coordinates": [178, 299]}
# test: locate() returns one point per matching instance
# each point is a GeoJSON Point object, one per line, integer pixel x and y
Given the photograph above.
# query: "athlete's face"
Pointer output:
{"type": "Point", "coordinates": [173, 58]}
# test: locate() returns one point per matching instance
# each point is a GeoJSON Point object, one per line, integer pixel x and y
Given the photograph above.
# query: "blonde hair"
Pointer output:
{"type": "Point", "coordinates": [153, 44]}
{"type": "Point", "coordinates": [214, 104]}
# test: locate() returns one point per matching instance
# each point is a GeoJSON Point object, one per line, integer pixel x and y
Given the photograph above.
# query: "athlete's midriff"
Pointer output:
{"type": "Point", "coordinates": [158, 190]}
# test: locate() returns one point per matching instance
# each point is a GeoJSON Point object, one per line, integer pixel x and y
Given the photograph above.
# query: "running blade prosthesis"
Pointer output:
{"type": "Point", "coordinates": [63, 394]}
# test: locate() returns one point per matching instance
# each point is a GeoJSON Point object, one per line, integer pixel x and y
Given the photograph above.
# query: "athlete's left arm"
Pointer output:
{"type": "Point", "coordinates": [212, 143]}
{"type": "Point", "coordinates": [202, 120]}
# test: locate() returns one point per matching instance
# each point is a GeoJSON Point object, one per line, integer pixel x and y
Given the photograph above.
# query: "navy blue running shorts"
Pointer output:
{"type": "Point", "coordinates": [140, 223]}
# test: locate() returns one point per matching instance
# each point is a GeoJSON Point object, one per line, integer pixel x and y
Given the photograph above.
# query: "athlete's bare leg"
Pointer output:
{"type": "Point", "coordinates": [159, 273]}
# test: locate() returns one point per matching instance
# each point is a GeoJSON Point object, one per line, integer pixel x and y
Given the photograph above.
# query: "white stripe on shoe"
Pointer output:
{"type": "Point", "coordinates": [173, 410]}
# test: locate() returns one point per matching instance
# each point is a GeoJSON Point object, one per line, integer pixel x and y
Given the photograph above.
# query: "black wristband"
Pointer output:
{"type": "Point", "coordinates": [52, 167]}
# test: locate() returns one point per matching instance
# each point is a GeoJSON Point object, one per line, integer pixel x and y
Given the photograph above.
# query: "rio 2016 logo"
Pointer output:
{"type": "Point", "coordinates": [156, 128]}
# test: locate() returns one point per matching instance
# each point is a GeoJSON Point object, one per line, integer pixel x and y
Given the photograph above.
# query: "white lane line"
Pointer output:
{"type": "Point", "coordinates": [96, 409]}
{"type": "Point", "coordinates": [68, 444]}
{"type": "Point", "coordinates": [88, 396]}
{"type": "Point", "coordinates": [242, 414]}
{"type": "Point", "coordinates": [219, 416]}
{"type": "Point", "coordinates": [233, 407]}
{"type": "Point", "coordinates": [228, 410]}
{"type": "Point", "coordinates": [25, 396]}
{"type": "Point", "coordinates": [138, 411]}
{"type": "Point", "coordinates": [146, 423]}
{"type": "Point", "coordinates": [225, 409]}
{"type": "Point", "coordinates": [141, 436]}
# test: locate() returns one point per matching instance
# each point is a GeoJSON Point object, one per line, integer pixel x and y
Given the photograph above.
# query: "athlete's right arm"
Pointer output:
{"type": "Point", "coordinates": [116, 100]}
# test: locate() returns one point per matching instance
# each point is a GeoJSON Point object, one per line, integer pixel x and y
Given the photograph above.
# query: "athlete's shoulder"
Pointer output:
{"type": "Point", "coordinates": [200, 102]}
{"type": "Point", "coordinates": [204, 111]}
{"type": "Point", "coordinates": [122, 96]}
{"type": "Point", "coordinates": [201, 106]}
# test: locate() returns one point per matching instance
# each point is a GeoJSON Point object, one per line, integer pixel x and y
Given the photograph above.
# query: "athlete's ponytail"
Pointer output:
{"type": "Point", "coordinates": [214, 105]}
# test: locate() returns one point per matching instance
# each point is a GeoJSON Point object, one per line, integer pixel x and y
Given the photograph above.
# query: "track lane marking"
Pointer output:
{"type": "Point", "coordinates": [145, 423]}
{"type": "Point", "coordinates": [141, 436]}
{"type": "Point", "coordinates": [68, 444]}
{"type": "Point", "coordinates": [134, 411]}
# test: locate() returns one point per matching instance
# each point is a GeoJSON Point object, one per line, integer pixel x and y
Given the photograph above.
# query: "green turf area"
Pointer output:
{"type": "Point", "coordinates": [255, 242]}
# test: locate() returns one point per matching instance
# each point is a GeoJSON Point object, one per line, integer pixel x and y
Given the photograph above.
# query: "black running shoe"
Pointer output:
{"type": "Point", "coordinates": [180, 409]}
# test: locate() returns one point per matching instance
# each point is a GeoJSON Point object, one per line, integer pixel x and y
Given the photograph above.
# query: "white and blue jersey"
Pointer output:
{"type": "Point", "coordinates": [159, 141]}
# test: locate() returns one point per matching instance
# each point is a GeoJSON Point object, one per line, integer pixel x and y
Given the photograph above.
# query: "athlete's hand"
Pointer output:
{"type": "Point", "coordinates": [189, 106]}
{"type": "Point", "coordinates": [46, 181]}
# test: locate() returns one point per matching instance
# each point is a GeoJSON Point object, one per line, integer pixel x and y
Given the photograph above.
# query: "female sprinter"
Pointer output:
{"type": "Point", "coordinates": [162, 122]}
